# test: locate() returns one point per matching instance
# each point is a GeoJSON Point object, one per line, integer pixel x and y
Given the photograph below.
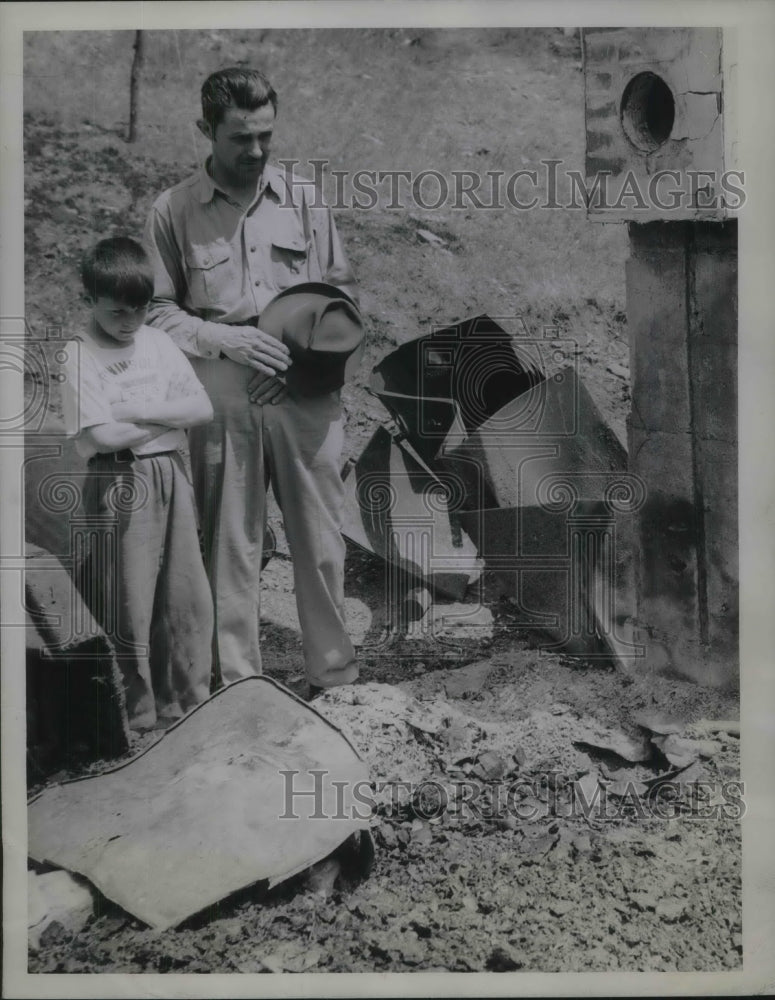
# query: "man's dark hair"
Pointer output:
{"type": "Point", "coordinates": [235, 87]}
{"type": "Point", "coordinates": [118, 267]}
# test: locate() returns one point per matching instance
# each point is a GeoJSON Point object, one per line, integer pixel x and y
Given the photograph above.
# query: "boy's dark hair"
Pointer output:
{"type": "Point", "coordinates": [235, 87]}
{"type": "Point", "coordinates": [119, 268]}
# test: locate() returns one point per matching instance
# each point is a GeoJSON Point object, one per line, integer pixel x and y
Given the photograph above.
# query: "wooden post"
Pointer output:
{"type": "Point", "coordinates": [137, 65]}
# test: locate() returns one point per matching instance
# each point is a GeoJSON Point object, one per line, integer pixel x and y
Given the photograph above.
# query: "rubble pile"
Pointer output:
{"type": "Point", "coordinates": [556, 760]}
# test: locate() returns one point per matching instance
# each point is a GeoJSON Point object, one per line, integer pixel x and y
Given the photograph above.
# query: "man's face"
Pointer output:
{"type": "Point", "coordinates": [241, 144]}
{"type": "Point", "coordinates": [117, 320]}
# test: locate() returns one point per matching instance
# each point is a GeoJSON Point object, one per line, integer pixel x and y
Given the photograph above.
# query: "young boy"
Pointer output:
{"type": "Point", "coordinates": [129, 394]}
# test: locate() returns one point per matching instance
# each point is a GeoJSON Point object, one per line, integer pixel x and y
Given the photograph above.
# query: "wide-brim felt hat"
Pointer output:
{"type": "Point", "coordinates": [323, 330]}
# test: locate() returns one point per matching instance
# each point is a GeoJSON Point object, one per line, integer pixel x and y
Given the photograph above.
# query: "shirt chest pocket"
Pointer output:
{"type": "Point", "coordinates": [211, 274]}
{"type": "Point", "coordinates": [289, 260]}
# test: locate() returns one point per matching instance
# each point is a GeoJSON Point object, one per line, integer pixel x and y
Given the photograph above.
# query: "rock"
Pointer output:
{"type": "Point", "coordinates": [616, 774]}
{"type": "Point", "coordinates": [627, 788]}
{"type": "Point", "coordinates": [232, 930]}
{"type": "Point", "coordinates": [566, 838]}
{"type": "Point", "coordinates": [466, 681]}
{"type": "Point", "coordinates": [670, 910]}
{"type": "Point", "coordinates": [59, 904]}
{"type": "Point", "coordinates": [619, 370]}
{"type": "Point", "coordinates": [456, 736]}
{"type": "Point", "coordinates": [503, 959]}
{"type": "Point", "coordinates": [252, 966]}
{"type": "Point", "coordinates": [541, 845]}
{"type": "Point", "coordinates": [428, 237]}
{"type": "Point", "coordinates": [586, 790]}
{"type": "Point", "coordinates": [322, 876]}
{"type": "Point", "coordinates": [689, 775]}
{"type": "Point", "coordinates": [489, 767]}
{"type": "Point", "coordinates": [632, 749]}
{"type": "Point", "coordinates": [643, 900]}
{"type": "Point", "coordinates": [389, 945]}
{"type": "Point", "coordinates": [422, 837]}
{"type": "Point", "coordinates": [419, 921]}
{"type": "Point", "coordinates": [424, 722]}
{"type": "Point", "coordinates": [531, 809]}
{"type": "Point", "coordinates": [705, 727]}
{"type": "Point", "coordinates": [506, 822]}
{"type": "Point", "coordinates": [582, 844]}
{"type": "Point", "coordinates": [388, 836]}
{"type": "Point", "coordinates": [707, 749]}
{"type": "Point", "coordinates": [63, 214]}
{"type": "Point", "coordinates": [291, 956]}
{"type": "Point", "coordinates": [679, 752]}
{"type": "Point", "coordinates": [658, 723]}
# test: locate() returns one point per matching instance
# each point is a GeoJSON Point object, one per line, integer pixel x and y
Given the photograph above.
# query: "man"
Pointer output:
{"type": "Point", "coordinates": [224, 242]}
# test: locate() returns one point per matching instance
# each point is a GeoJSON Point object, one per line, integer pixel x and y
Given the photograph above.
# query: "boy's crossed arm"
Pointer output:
{"type": "Point", "coordinates": [183, 411]}
{"type": "Point", "coordinates": [137, 421]}
{"type": "Point", "coordinates": [120, 434]}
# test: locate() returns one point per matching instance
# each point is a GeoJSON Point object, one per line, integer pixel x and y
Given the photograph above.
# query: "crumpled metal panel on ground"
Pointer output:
{"type": "Point", "coordinates": [198, 815]}
{"type": "Point", "coordinates": [397, 509]}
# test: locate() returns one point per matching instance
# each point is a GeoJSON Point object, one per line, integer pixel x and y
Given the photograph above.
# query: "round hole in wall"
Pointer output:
{"type": "Point", "coordinates": [647, 111]}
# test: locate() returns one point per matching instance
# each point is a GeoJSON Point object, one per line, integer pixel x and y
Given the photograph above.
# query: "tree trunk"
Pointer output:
{"type": "Point", "coordinates": [137, 65]}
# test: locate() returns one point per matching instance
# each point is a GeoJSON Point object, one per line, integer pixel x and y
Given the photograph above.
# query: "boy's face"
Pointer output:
{"type": "Point", "coordinates": [118, 320]}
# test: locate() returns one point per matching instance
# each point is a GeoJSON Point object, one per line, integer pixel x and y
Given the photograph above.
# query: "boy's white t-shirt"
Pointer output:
{"type": "Point", "coordinates": [151, 368]}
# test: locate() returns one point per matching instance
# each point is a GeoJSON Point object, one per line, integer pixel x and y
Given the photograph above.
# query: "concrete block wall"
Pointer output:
{"type": "Point", "coordinates": [659, 99]}
{"type": "Point", "coordinates": [682, 320]}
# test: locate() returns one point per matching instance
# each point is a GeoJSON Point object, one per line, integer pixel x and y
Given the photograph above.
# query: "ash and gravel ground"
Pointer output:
{"type": "Point", "coordinates": [543, 890]}
{"type": "Point", "coordinates": [506, 880]}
